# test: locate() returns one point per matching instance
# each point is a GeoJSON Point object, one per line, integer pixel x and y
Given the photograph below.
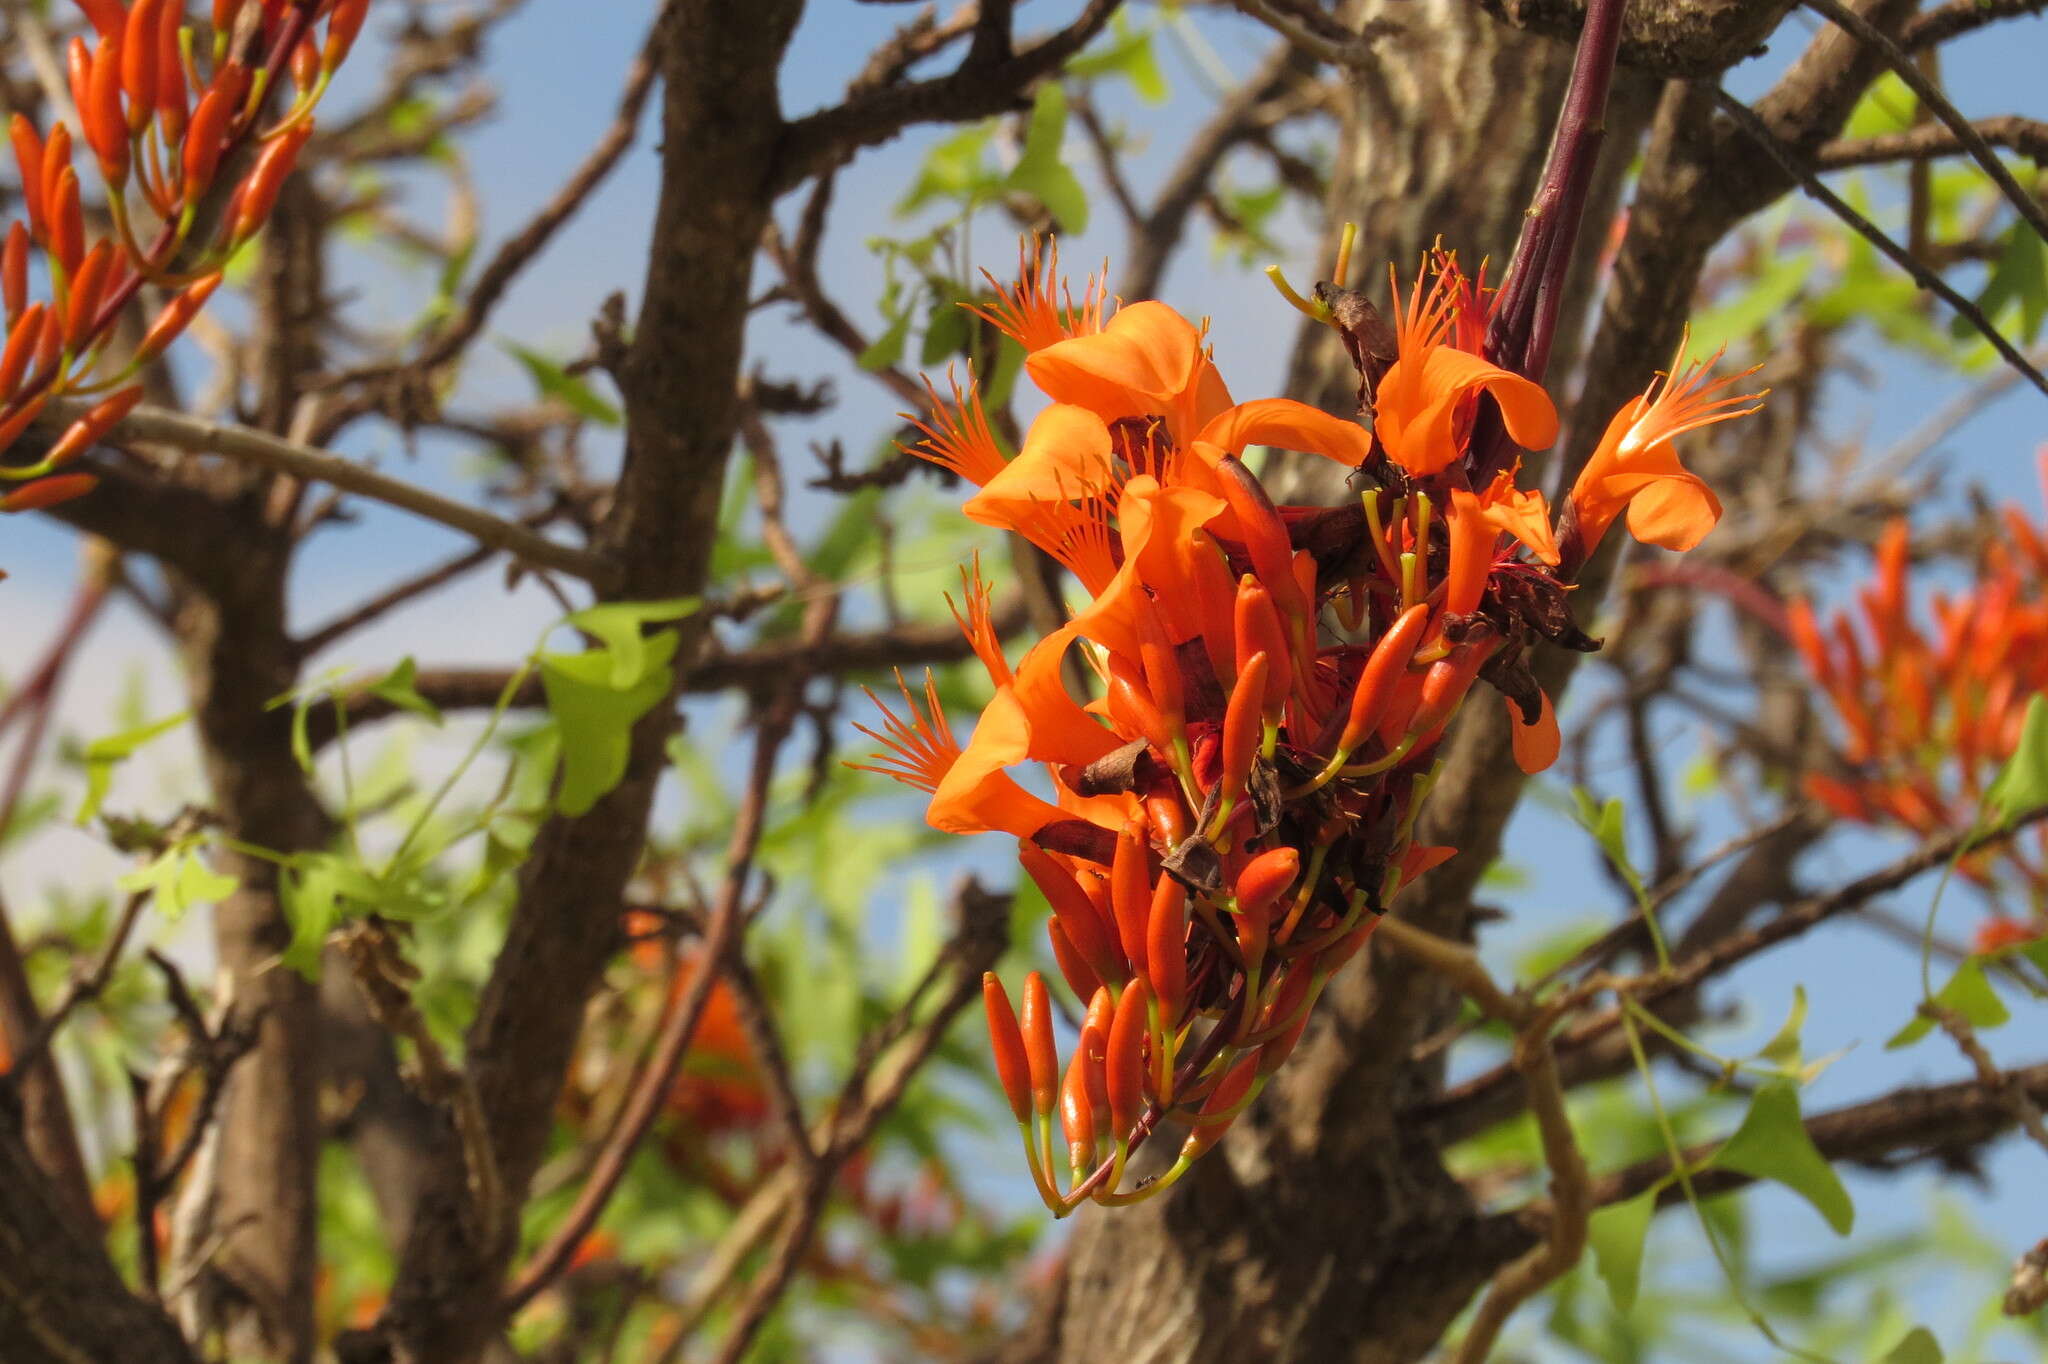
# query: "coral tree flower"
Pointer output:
{"type": "Point", "coordinates": [1218, 818]}
{"type": "Point", "coordinates": [1932, 706]}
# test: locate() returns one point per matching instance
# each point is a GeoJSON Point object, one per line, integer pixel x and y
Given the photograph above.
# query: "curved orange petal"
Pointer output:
{"type": "Point", "coordinates": [1473, 538]}
{"type": "Point", "coordinates": [1674, 512]}
{"type": "Point", "coordinates": [1536, 745]}
{"type": "Point", "coordinates": [1415, 416]}
{"type": "Point", "coordinates": [977, 795]}
{"type": "Point", "coordinates": [1060, 730]}
{"type": "Point", "coordinates": [1148, 361]}
{"type": "Point", "coordinates": [1289, 425]}
{"type": "Point", "coordinates": [1066, 456]}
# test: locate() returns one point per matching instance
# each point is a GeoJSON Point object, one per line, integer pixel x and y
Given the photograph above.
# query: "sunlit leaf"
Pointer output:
{"type": "Point", "coordinates": [102, 756]}
{"type": "Point", "coordinates": [555, 382]}
{"type": "Point", "coordinates": [1616, 1234]}
{"type": "Point", "coordinates": [1773, 1144]}
{"type": "Point", "coordinates": [1969, 994]}
{"type": "Point", "coordinates": [2022, 784]}
{"type": "Point", "coordinates": [1919, 1347]}
{"type": "Point", "coordinates": [1040, 172]}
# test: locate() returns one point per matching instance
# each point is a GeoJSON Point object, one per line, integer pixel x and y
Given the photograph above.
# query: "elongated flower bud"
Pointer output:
{"type": "Point", "coordinates": [1166, 960]}
{"type": "Point", "coordinates": [1095, 1027]}
{"type": "Point", "coordinates": [67, 222]}
{"type": "Point", "coordinates": [1215, 604]}
{"type": "Point", "coordinates": [1265, 879]}
{"type": "Point", "coordinates": [86, 291]}
{"type": "Point", "coordinates": [1229, 1092]}
{"type": "Point", "coordinates": [1039, 1052]}
{"type": "Point", "coordinates": [1443, 687]}
{"type": "Point", "coordinates": [1073, 911]}
{"type": "Point", "coordinates": [258, 194]}
{"type": "Point", "coordinates": [1006, 1042]}
{"type": "Point", "coordinates": [206, 139]}
{"type": "Point", "coordinates": [1080, 977]}
{"type": "Point", "coordinates": [48, 492]}
{"type": "Point", "coordinates": [1265, 534]}
{"type": "Point", "coordinates": [21, 344]}
{"type": "Point", "coordinates": [1259, 631]}
{"type": "Point", "coordinates": [342, 28]}
{"type": "Point", "coordinates": [1243, 724]}
{"type": "Point", "coordinates": [1125, 1061]}
{"type": "Point", "coordinates": [175, 317]}
{"type": "Point", "coordinates": [139, 47]}
{"type": "Point", "coordinates": [1077, 1115]}
{"type": "Point", "coordinates": [1168, 814]}
{"type": "Point", "coordinates": [1376, 682]}
{"type": "Point", "coordinates": [108, 17]}
{"type": "Point", "coordinates": [28, 156]}
{"type": "Point", "coordinates": [1162, 675]}
{"type": "Point", "coordinates": [17, 422]}
{"type": "Point", "coordinates": [14, 270]}
{"type": "Point", "coordinates": [99, 109]}
{"type": "Point", "coordinates": [1132, 709]}
{"type": "Point", "coordinates": [80, 435]}
{"type": "Point", "coordinates": [170, 72]}
{"type": "Point", "coordinates": [56, 160]}
{"type": "Point", "coordinates": [1130, 892]}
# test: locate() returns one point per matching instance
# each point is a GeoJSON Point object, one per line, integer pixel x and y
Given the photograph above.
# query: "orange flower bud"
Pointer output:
{"type": "Point", "coordinates": [1376, 681]}
{"type": "Point", "coordinates": [224, 12]}
{"type": "Point", "coordinates": [170, 71]}
{"type": "Point", "coordinates": [1265, 535]}
{"type": "Point", "coordinates": [1080, 978]}
{"type": "Point", "coordinates": [56, 158]}
{"type": "Point", "coordinates": [305, 63]}
{"type": "Point", "coordinates": [1275, 1053]}
{"type": "Point", "coordinates": [342, 28]}
{"type": "Point", "coordinates": [1130, 891]}
{"type": "Point", "coordinates": [176, 315]}
{"type": "Point", "coordinates": [1444, 686]}
{"type": "Point", "coordinates": [1243, 724]}
{"type": "Point", "coordinates": [206, 139]}
{"type": "Point", "coordinates": [78, 67]}
{"type": "Point", "coordinates": [1166, 960]}
{"type": "Point", "coordinates": [1039, 1053]}
{"type": "Point", "coordinates": [1124, 1061]}
{"type": "Point", "coordinates": [1095, 1028]}
{"type": "Point", "coordinates": [258, 194]}
{"type": "Point", "coordinates": [1215, 604]}
{"type": "Point", "coordinates": [139, 45]}
{"type": "Point", "coordinates": [14, 270]}
{"type": "Point", "coordinates": [1167, 813]}
{"type": "Point", "coordinates": [81, 434]}
{"type": "Point", "coordinates": [48, 492]}
{"type": "Point", "coordinates": [67, 222]}
{"type": "Point", "coordinates": [87, 288]}
{"type": "Point", "coordinates": [17, 422]}
{"type": "Point", "coordinates": [49, 347]}
{"type": "Point", "coordinates": [21, 344]}
{"type": "Point", "coordinates": [1265, 879]}
{"type": "Point", "coordinates": [1007, 1044]}
{"type": "Point", "coordinates": [1162, 674]}
{"type": "Point", "coordinates": [28, 156]}
{"type": "Point", "coordinates": [1076, 916]}
{"type": "Point", "coordinates": [1259, 631]}
{"type": "Point", "coordinates": [99, 108]}
{"type": "Point", "coordinates": [108, 17]}
{"type": "Point", "coordinates": [1077, 1114]}
{"type": "Point", "coordinates": [1132, 709]}
{"type": "Point", "coordinates": [1229, 1092]}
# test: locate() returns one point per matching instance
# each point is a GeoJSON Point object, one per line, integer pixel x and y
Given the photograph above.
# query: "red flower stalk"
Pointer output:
{"type": "Point", "coordinates": [1226, 820]}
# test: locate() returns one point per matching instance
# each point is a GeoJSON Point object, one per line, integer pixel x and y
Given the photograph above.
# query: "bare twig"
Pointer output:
{"type": "Point", "coordinates": [1931, 98]}
{"type": "Point", "coordinates": [1320, 36]}
{"type": "Point", "coordinates": [88, 986]}
{"type": "Point", "coordinates": [2028, 137]}
{"type": "Point", "coordinates": [260, 448]}
{"type": "Point", "coordinates": [1746, 118]}
{"type": "Point", "coordinates": [1945, 21]}
{"type": "Point", "coordinates": [2024, 1110]}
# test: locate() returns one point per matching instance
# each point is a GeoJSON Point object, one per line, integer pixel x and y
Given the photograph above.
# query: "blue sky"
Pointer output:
{"type": "Point", "coordinates": [556, 67]}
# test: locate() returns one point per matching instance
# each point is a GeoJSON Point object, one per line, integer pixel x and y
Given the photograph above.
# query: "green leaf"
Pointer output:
{"type": "Point", "coordinates": [1783, 1049]}
{"type": "Point", "coordinates": [886, 349]}
{"type": "Point", "coordinates": [2022, 784]}
{"type": "Point", "coordinates": [946, 329]}
{"type": "Point", "coordinates": [1887, 107]}
{"type": "Point", "coordinates": [1773, 1144]}
{"type": "Point", "coordinates": [1129, 55]}
{"type": "Point", "coordinates": [102, 756]}
{"type": "Point", "coordinates": [178, 879]}
{"type": "Point", "coordinates": [620, 627]}
{"type": "Point", "coordinates": [1040, 173]}
{"type": "Point", "coordinates": [1968, 993]}
{"type": "Point", "coordinates": [1919, 1347]}
{"type": "Point", "coordinates": [597, 717]}
{"type": "Point", "coordinates": [553, 381]}
{"type": "Point", "coordinates": [310, 894]}
{"type": "Point", "coordinates": [1616, 1233]}
{"type": "Point", "coordinates": [2020, 278]}
{"type": "Point", "coordinates": [396, 687]}
{"type": "Point", "coordinates": [1604, 822]}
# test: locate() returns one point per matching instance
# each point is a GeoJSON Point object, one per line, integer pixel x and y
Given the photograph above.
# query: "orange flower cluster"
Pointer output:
{"type": "Point", "coordinates": [191, 173]}
{"type": "Point", "coordinates": [1224, 819]}
{"type": "Point", "coordinates": [1930, 717]}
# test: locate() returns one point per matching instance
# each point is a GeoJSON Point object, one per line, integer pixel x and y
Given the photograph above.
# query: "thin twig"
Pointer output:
{"type": "Point", "coordinates": [673, 1042]}
{"type": "Point", "coordinates": [88, 986]}
{"type": "Point", "coordinates": [1931, 98]}
{"type": "Point", "coordinates": [1746, 118]}
{"type": "Point", "coordinates": [2028, 137]}
{"type": "Point", "coordinates": [2010, 1092]}
{"type": "Point", "coordinates": [260, 448]}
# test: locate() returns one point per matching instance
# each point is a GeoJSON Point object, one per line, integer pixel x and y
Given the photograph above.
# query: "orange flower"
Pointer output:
{"type": "Point", "coordinates": [1635, 468]}
{"type": "Point", "coordinates": [1478, 520]}
{"type": "Point", "coordinates": [1422, 411]}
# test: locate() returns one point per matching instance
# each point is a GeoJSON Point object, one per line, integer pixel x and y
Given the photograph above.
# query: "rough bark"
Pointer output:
{"type": "Point", "coordinates": [61, 1299]}
{"type": "Point", "coordinates": [722, 130]}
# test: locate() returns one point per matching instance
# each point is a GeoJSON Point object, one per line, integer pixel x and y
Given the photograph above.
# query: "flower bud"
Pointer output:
{"type": "Point", "coordinates": [1039, 1051]}
{"type": "Point", "coordinates": [1007, 1044]}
